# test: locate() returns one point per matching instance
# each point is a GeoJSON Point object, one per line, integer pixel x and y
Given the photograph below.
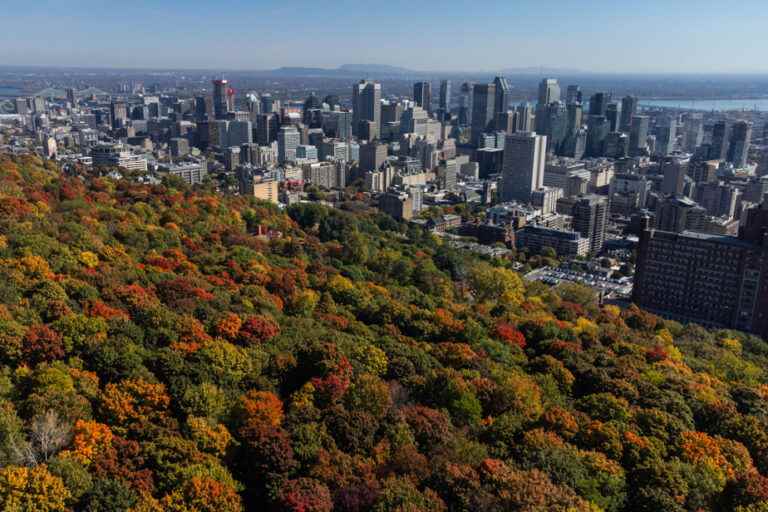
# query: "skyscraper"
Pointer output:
{"type": "Point", "coordinates": [573, 94]}
{"type": "Point", "coordinates": [366, 108]}
{"type": "Point", "coordinates": [422, 95]}
{"type": "Point", "coordinates": [445, 96]}
{"type": "Point", "coordinates": [267, 103]}
{"type": "Point", "coordinates": [372, 156]}
{"type": "Point", "coordinates": [549, 91]}
{"type": "Point", "coordinates": [738, 150]}
{"type": "Point", "coordinates": [288, 139]}
{"type": "Point", "coordinates": [483, 109]}
{"type": "Point", "coordinates": [502, 91]}
{"type": "Point", "coordinates": [628, 111]}
{"type": "Point", "coordinates": [524, 117]}
{"type": "Point", "coordinates": [666, 135]}
{"type": "Point", "coordinates": [118, 112]}
{"type": "Point", "coordinates": [552, 121]}
{"type": "Point", "coordinates": [674, 171]}
{"type": "Point", "coordinates": [613, 115]}
{"type": "Point", "coordinates": [465, 104]}
{"type": "Point", "coordinates": [638, 135]}
{"type": "Point", "coordinates": [574, 118]}
{"type": "Point", "coordinates": [718, 149]}
{"type": "Point", "coordinates": [220, 104]}
{"type": "Point", "coordinates": [677, 214]}
{"type": "Point", "coordinates": [598, 103]}
{"type": "Point", "coordinates": [523, 167]}
{"type": "Point", "coordinates": [597, 131]}
{"type": "Point", "coordinates": [694, 131]}
{"type": "Point", "coordinates": [590, 218]}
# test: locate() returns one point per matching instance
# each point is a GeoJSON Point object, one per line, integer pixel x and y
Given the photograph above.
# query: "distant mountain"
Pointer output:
{"type": "Point", "coordinates": [542, 71]}
{"type": "Point", "coordinates": [346, 70]}
{"type": "Point", "coordinates": [377, 69]}
{"type": "Point", "coordinates": [302, 71]}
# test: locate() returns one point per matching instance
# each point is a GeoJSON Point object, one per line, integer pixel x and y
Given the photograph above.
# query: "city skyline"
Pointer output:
{"type": "Point", "coordinates": [233, 35]}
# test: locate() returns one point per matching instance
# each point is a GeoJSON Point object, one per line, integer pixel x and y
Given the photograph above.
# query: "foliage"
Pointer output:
{"type": "Point", "coordinates": [155, 355]}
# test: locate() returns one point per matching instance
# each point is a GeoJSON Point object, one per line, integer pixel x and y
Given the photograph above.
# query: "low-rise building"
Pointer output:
{"type": "Point", "coordinates": [565, 243]}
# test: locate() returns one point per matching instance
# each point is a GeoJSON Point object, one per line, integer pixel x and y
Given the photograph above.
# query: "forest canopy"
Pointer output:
{"type": "Point", "coordinates": [156, 354]}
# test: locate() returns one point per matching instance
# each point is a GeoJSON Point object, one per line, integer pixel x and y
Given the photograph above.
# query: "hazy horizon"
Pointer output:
{"type": "Point", "coordinates": [452, 36]}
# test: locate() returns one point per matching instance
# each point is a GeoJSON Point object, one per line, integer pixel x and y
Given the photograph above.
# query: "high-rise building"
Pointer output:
{"type": "Point", "coordinates": [502, 90]}
{"type": "Point", "coordinates": [677, 214]}
{"type": "Point", "coordinates": [573, 94]}
{"type": "Point", "coordinates": [552, 121]}
{"type": "Point", "coordinates": [628, 111]}
{"type": "Point", "coordinates": [422, 95]}
{"type": "Point", "coordinates": [372, 156]}
{"type": "Point", "coordinates": [638, 135]}
{"type": "Point", "coordinates": [465, 104]}
{"type": "Point", "coordinates": [22, 108]}
{"type": "Point", "coordinates": [391, 111]}
{"type": "Point", "coordinates": [524, 117]}
{"type": "Point", "coordinates": [713, 280]}
{"type": "Point", "coordinates": [523, 167]}
{"type": "Point", "coordinates": [674, 171]}
{"type": "Point", "coordinates": [240, 132]}
{"type": "Point", "coordinates": [343, 124]}
{"type": "Point", "coordinates": [507, 122]}
{"type": "Point", "coordinates": [549, 91]}
{"type": "Point", "coordinates": [447, 174]}
{"type": "Point", "coordinates": [483, 110]}
{"type": "Point", "coordinates": [613, 115]}
{"type": "Point", "coordinates": [267, 126]}
{"type": "Point", "coordinates": [179, 147]}
{"type": "Point", "coordinates": [666, 135]}
{"type": "Point", "coordinates": [741, 137]}
{"type": "Point", "coordinates": [414, 120]}
{"type": "Point", "coordinates": [288, 139]}
{"type": "Point", "coordinates": [445, 96]}
{"type": "Point", "coordinates": [693, 127]}
{"type": "Point", "coordinates": [575, 114]}
{"type": "Point", "coordinates": [545, 199]}
{"type": "Point", "coordinates": [628, 193]}
{"type": "Point", "coordinates": [397, 204]}
{"type": "Point", "coordinates": [597, 131]}
{"type": "Point", "coordinates": [220, 102]}
{"type": "Point", "coordinates": [762, 168]}
{"type": "Point", "coordinates": [267, 103]}
{"type": "Point", "coordinates": [616, 145]}
{"type": "Point", "coordinates": [598, 103]}
{"type": "Point", "coordinates": [118, 113]}
{"type": "Point", "coordinates": [366, 109]}
{"type": "Point", "coordinates": [718, 148]}
{"type": "Point", "coordinates": [703, 171]}
{"type": "Point", "coordinates": [590, 218]}
{"type": "Point", "coordinates": [38, 104]}
{"type": "Point", "coordinates": [720, 199]}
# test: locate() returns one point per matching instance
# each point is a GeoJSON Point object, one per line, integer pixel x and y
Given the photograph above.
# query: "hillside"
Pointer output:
{"type": "Point", "coordinates": [157, 355]}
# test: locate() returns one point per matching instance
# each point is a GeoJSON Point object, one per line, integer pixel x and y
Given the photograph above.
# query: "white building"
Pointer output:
{"type": "Point", "coordinates": [523, 168]}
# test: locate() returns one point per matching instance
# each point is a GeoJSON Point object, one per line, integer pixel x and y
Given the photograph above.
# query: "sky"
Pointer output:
{"type": "Point", "coordinates": [642, 36]}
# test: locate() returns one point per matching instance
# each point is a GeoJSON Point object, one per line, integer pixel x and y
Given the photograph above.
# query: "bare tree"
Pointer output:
{"type": "Point", "coordinates": [47, 435]}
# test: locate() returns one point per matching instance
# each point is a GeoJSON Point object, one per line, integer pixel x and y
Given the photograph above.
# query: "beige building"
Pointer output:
{"type": "Point", "coordinates": [266, 190]}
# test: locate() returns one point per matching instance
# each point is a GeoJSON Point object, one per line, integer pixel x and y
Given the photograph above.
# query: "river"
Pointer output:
{"type": "Point", "coordinates": [708, 105]}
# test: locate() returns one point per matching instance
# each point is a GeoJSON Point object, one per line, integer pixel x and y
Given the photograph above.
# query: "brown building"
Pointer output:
{"type": "Point", "coordinates": [396, 204]}
{"type": "Point", "coordinates": [714, 280]}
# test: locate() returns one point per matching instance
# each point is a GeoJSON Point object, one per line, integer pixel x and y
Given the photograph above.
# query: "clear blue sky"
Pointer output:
{"type": "Point", "coordinates": [593, 35]}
